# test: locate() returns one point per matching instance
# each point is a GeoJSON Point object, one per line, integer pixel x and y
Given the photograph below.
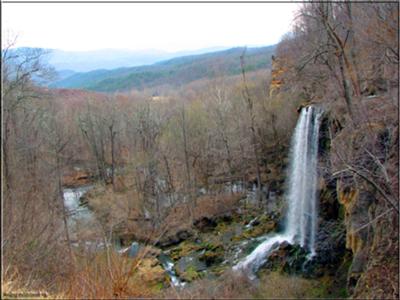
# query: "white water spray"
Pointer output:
{"type": "Point", "coordinates": [301, 219]}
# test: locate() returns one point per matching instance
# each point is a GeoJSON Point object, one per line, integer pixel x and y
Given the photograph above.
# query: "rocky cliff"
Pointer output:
{"type": "Point", "coordinates": [362, 160]}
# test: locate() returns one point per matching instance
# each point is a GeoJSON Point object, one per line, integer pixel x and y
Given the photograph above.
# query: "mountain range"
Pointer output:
{"type": "Point", "coordinates": [174, 72]}
{"type": "Point", "coordinates": [85, 61]}
{"type": "Point", "coordinates": [101, 70]}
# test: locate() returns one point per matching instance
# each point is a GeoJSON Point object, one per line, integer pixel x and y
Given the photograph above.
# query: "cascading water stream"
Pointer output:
{"type": "Point", "coordinates": [302, 196]}
{"type": "Point", "coordinates": [301, 218]}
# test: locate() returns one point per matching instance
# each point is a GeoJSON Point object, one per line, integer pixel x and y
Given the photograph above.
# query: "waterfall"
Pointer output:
{"type": "Point", "coordinates": [301, 218]}
{"type": "Point", "coordinates": [302, 196]}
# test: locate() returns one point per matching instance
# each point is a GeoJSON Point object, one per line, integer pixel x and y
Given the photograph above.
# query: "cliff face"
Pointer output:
{"type": "Point", "coordinates": [277, 71]}
{"type": "Point", "coordinates": [363, 159]}
{"type": "Point", "coordinates": [358, 238]}
{"type": "Point", "coordinates": [372, 237]}
{"type": "Point", "coordinates": [358, 192]}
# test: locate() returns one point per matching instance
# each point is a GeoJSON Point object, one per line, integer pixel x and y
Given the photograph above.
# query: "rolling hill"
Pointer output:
{"type": "Point", "coordinates": [174, 72]}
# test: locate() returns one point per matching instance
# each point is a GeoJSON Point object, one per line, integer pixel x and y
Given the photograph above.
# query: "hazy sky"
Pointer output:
{"type": "Point", "coordinates": [168, 27]}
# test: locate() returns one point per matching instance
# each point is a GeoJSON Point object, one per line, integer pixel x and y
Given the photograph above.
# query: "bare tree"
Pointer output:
{"type": "Point", "coordinates": [93, 130]}
{"type": "Point", "coordinates": [31, 213]}
{"type": "Point", "coordinates": [183, 126]}
{"type": "Point", "coordinates": [219, 110]}
{"type": "Point", "coordinates": [249, 103]}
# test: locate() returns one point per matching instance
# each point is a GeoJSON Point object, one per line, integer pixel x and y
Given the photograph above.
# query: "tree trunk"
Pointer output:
{"type": "Point", "coordinates": [191, 204]}
{"type": "Point", "coordinates": [249, 101]}
{"type": "Point", "coordinates": [64, 210]}
{"type": "Point", "coordinates": [112, 138]}
{"type": "Point", "coordinates": [170, 181]}
{"type": "Point", "coordinates": [346, 87]}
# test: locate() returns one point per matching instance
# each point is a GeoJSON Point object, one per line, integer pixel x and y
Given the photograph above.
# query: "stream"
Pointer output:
{"type": "Point", "coordinates": [81, 218]}
{"type": "Point", "coordinates": [249, 254]}
{"type": "Point", "coordinates": [72, 201]}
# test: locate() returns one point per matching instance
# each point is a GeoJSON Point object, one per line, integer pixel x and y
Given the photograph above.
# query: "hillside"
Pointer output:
{"type": "Point", "coordinates": [193, 178]}
{"type": "Point", "coordinates": [175, 72]}
{"type": "Point", "coordinates": [66, 62]}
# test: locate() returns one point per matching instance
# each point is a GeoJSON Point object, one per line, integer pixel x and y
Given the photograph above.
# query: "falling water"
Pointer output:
{"type": "Point", "coordinates": [301, 217]}
{"type": "Point", "coordinates": [302, 196]}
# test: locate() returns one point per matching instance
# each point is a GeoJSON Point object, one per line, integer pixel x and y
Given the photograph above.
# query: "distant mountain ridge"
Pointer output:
{"type": "Point", "coordinates": [175, 71]}
{"type": "Point", "coordinates": [86, 61]}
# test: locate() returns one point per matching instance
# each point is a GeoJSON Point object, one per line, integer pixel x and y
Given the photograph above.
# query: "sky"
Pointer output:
{"type": "Point", "coordinates": [167, 27]}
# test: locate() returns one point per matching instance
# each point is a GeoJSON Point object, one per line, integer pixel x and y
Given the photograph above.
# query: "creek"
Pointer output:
{"type": "Point", "coordinates": [300, 219]}
{"type": "Point", "coordinates": [82, 218]}
{"type": "Point", "coordinates": [72, 201]}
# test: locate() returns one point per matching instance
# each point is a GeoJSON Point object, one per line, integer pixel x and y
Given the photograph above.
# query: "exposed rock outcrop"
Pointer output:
{"type": "Point", "coordinates": [77, 177]}
{"type": "Point", "coordinates": [276, 76]}
{"type": "Point", "coordinates": [362, 158]}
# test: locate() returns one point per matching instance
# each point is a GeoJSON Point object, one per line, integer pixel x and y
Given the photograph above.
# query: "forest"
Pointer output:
{"type": "Point", "coordinates": [248, 173]}
{"type": "Point", "coordinates": [173, 72]}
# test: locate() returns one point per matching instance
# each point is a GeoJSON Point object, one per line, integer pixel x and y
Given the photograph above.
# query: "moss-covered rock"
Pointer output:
{"type": "Point", "coordinates": [151, 272]}
{"type": "Point", "coordinates": [212, 255]}
{"type": "Point", "coordinates": [189, 268]}
{"type": "Point", "coordinates": [288, 259]}
{"type": "Point", "coordinates": [263, 226]}
{"type": "Point", "coordinates": [218, 269]}
{"type": "Point", "coordinates": [190, 274]}
{"type": "Point", "coordinates": [184, 249]}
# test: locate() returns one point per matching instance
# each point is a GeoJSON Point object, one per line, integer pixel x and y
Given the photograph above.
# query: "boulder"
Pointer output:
{"type": "Point", "coordinates": [185, 248]}
{"type": "Point", "coordinates": [287, 258]}
{"type": "Point", "coordinates": [188, 267]}
{"type": "Point", "coordinates": [205, 224]}
{"type": "Point", "coordinates": [174, 238]}
{"type": "Point", "coordinates": [76, 178]}
{"type": "Point", "coordinates": [133, 250]}
{"type": "Point", "coordinates": [212, 254]}
{"type": "Point", "coordinates": [151, 271]}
